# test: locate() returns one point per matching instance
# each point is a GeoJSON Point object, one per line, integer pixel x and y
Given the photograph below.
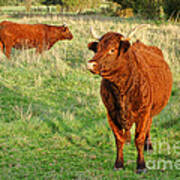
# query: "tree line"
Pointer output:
{"type": "Point", "coordinates": [146, 8]}
{"type": "Point", "coordinates": [152, 8]}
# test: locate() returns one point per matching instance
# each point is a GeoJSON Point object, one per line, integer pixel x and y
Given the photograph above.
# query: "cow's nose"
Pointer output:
{"type": "Point", "coordinates": [91, 64]}
{"type": "Point", "coordinates": [71, 37]}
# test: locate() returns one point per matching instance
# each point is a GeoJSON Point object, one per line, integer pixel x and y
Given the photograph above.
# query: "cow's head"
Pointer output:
{"type": "Point", "coordinates": [65, 32]}
{"type": "Point", "coordinates": [108, 52]}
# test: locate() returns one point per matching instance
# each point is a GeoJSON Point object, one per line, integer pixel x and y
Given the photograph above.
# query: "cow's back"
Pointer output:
{"type": "Point", "coordinates": [15, 33]}
{"type": "Point", "coordinates": [158, 73]}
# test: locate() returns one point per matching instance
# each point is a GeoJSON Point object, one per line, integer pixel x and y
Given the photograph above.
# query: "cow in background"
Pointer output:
{"type": "Point", "coordinates": [25, 36]}
{"type": "Point", "coordinates": [136, 85]}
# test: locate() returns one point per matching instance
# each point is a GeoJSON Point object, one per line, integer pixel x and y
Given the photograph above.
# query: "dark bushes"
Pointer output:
{"type": "Point", "coordinates": [153, 9]}
{"type": "Point", "coordinates": [172, 9]}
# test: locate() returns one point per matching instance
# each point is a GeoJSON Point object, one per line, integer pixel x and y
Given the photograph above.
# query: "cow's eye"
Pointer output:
{"type": "Point", "coordinates": [111, 51]}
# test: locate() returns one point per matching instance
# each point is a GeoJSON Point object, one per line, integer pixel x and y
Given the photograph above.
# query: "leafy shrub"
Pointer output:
{"type": "Point", "coordinates": [172, 8]}
{"type": "Point", "coordinates": [124, 3]}
{"type": "Point", "coordinates": [146, 8]}
{"type": "Point", "coordinates": [111, 9]}
{"type": "Point", "coordinates": [80, 5]}
{"type": "Point", "coordinates": [128, 12]}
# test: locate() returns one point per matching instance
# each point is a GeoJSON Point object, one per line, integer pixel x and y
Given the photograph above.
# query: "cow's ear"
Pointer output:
{"type": "Point", "coordinates": [93, 46]}
{"type": "Point", "coordinates": [124, 46]}
{"type": "Point", "coordinates": [63, 28]}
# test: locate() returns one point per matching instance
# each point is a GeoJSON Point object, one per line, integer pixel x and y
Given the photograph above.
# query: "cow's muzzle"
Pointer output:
{"type": "Point", "coordinates": [92, 66]}
{"type": "Point", "coordinates": [70, 37]}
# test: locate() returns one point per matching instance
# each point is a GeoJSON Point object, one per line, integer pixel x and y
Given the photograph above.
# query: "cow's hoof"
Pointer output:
{"type": "Point", "coordinates": [118, 166]}
{"type": "Point", "coordinates": [140, 171]}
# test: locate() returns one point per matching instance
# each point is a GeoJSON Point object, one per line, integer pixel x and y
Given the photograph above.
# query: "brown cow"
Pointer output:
{"type": "Point", "coordinates": [136, 85]}
{"type": "Point", "coordinates": [39, 36]}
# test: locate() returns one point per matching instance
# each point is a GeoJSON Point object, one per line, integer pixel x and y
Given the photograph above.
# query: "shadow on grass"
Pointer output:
{"type": "Point", "coordinates": [14, 105]}
{"type": "Point", "coordinates": [51, 116]}
{"type": "Point", "coordinates": [9, 100]}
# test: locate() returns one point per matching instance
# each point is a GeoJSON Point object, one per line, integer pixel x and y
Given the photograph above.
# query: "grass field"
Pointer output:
{"type": "Point", "coordinates": [52, 122]}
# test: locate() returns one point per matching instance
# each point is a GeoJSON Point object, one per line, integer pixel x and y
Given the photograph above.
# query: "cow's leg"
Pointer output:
{"type": "Point", "coordinates": [8, 51]}
{"type": "Point", "coordinates": [120, 140]}
{"type": "Point", "coordinates": [140, 135]}
{"type": "Point", "coordinates": [2, 46]}
{"type": "Point", "coordinates": [40, 48]}
{"type": "Point", "coordinates": [148, 144]}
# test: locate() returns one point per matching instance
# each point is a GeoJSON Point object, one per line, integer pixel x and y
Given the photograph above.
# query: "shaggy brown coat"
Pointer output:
{"type": "Point", "coordinates": [136, 86]}
{"type": "Point", "coordinates": [39, 36]}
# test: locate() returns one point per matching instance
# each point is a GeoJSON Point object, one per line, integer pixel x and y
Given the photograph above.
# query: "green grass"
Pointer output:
{"type": "Point", "coordinates": [53, 124]}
